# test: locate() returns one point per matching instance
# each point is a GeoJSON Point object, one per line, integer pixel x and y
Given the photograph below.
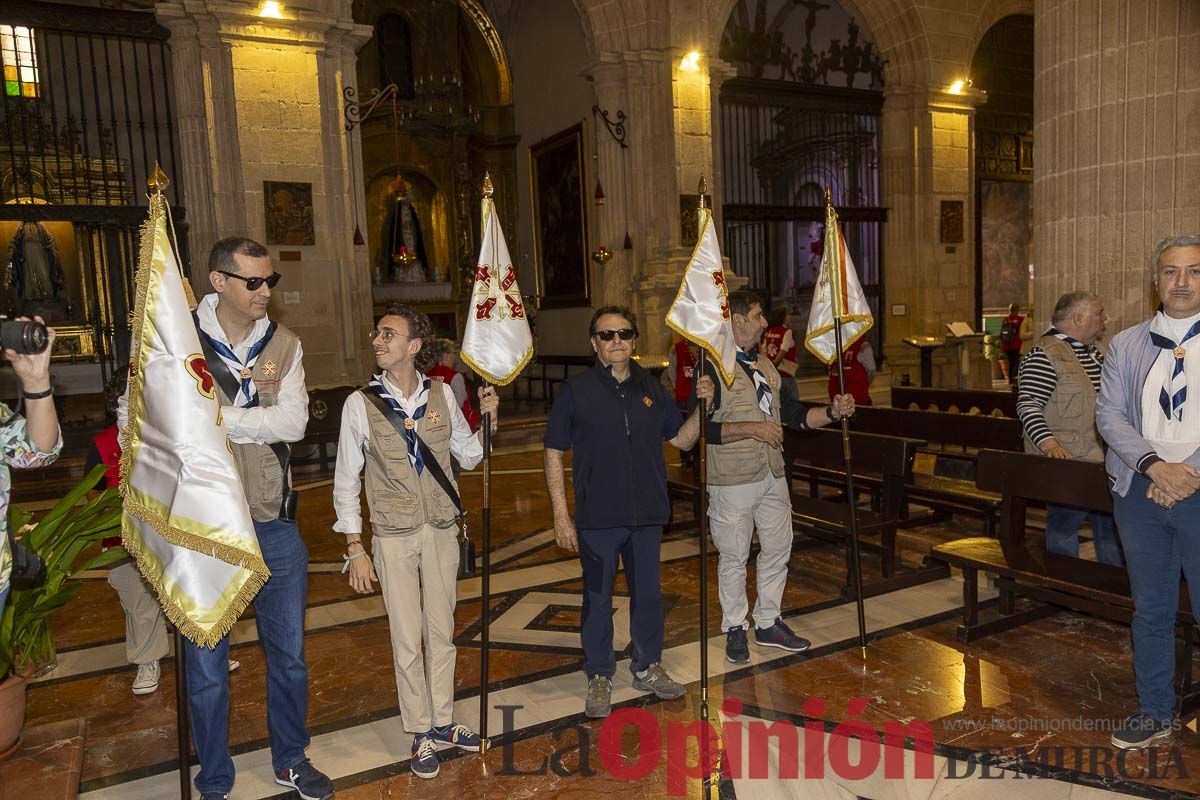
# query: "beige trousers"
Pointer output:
{"type": "Point", "coordinates": [418, 575]}
{"type": "Point", "coordinates": [145, 627]}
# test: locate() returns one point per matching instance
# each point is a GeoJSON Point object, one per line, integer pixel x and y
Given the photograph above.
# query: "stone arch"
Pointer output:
{"type": "Point", "coordinates": [895, 25]}
{"type": "Point", "coordinates": [992, 12]}
{"type": "Point", "coordinates": [483, 24]}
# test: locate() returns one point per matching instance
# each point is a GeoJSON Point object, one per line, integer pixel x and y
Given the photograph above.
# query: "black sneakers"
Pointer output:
{"type": "Point", "coordinates": [781, 636]}
{"type": "Point", "coordinates": [737, 651]}
{"type": "Point", "coordinates": [1139, 731]}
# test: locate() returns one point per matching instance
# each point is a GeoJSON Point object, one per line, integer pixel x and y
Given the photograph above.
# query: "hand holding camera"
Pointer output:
{"type": "Point", "coordinates": [27, 345]}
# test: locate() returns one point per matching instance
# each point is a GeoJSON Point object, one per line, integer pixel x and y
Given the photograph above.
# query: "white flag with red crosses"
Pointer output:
{"type": "Point", "coordinates": [700, 312]}
{"type": "Point", "coordinates": [497, 343]}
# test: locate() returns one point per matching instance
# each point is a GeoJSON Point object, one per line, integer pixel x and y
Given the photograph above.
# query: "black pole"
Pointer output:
{"type": "Point", "coordinates": [855, 560]}
{"type": "Point", "coordinates": [181, 720]}
{"type": "Point", "coordinates": [702, 510]}
{"type": "Point", "coordinates": [485, 581]}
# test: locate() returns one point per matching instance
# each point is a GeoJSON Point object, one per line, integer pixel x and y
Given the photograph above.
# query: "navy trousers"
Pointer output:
{"type": "Point", "coordinates": [638, 551]}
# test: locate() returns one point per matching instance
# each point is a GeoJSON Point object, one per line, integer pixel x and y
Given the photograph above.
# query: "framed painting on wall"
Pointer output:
{"type": "Point", "coordinates": [288, 211]}
{"type": "Point", "coordinates": [560, 244]}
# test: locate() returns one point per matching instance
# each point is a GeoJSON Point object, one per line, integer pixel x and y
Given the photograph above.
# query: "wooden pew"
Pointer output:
{"type": "Point", "coordinates": [959, 435]}
{"type": "Point", "coordinates": [986, 401]}
{"type": "Point", "coordinates": [1023, 567]}
{"type": "Point", "coordinates": [539, 372]}
{"type": "Point", "coordinates": [882, 466]}
{"type": "Point", "coordinates": [324, 423]}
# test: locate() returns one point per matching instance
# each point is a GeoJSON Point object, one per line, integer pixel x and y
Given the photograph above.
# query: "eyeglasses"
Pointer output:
{"type": "Point", "coordinates": [255, 283]}
{"type": "Point", "coordinates": [386, 334]}
{"type": "Point", "coordinates": [625, 333]}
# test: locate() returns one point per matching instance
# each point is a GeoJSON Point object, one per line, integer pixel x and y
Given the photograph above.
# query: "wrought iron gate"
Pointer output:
{"type": "Point", "coordinates": [782, 145]}
{"type": "Point", "coordinates": [86, 110]}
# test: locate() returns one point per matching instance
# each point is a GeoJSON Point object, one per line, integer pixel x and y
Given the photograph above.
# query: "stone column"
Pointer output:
{"type": "Point", "coordinates": [611, 280]}
{"type": "Point", "coordinates": [928, 157]}
{"type": "Point", "coordinates": [1117, 154]}
{"type": "Point", "coordinates": [344, 182]}
{"type": "Point", "coordinates": [261, 100]}
{"type": "Point", "coordinates": [206, 118]}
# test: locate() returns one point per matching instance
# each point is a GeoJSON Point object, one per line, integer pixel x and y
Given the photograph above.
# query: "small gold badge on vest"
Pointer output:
{"type": "Point", "coordinates": [269, 369]}
{"type": "Point", "coordinates": [647, 401]}
{"type": "Point", "coordinates": [433, 417]}
{"type": "Point", "coordinates": [1179, 352]}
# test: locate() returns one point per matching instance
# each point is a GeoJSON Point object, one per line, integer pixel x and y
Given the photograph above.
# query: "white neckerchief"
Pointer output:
{"type": "Point", "coordinates": [206, 313]}
{"type": "Point", "coordinates": [1174, 440]}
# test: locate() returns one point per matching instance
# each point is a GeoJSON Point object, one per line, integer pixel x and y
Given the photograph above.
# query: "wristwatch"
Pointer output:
{"type": "Point", "coordinates": [829, 413]}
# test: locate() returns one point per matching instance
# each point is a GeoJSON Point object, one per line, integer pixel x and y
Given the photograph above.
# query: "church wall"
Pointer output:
{"type": "Point", "coordinates": [547, 54]}
{"type": "Point", "coordinates": [1117, 105]}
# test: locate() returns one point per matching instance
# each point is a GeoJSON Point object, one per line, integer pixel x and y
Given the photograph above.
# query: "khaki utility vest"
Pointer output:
{"type": "Point", "coordinates": [1071, 411]}
{"type": "Point", "coordinates": [400, 500]}
{"type": "Point", "coordinates": [262, 475]}
{"type": "Point", "coordinates": [748, 460]}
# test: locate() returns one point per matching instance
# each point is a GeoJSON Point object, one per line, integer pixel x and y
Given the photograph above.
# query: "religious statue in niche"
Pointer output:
{"type": "Point", "coordinates": [33, 273]}
{"type": "Point", "coordinates": [402, 252]}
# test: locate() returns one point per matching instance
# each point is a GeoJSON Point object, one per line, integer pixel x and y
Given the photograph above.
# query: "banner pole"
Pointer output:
{"type": "Point", "coordinates": [182, 723]}
{"type": "Point", "coordinates": [485, 580]}
{"type": "Point", "coordinates": [835, 297]}
{"type": "Point", "coordinates": [702, 511]}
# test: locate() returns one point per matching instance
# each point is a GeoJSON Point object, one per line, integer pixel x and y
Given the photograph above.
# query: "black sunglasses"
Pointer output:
{"type": "Point", "coordinates": [253, 284]}
{"type": "Point", "coordinates": [625, 333]}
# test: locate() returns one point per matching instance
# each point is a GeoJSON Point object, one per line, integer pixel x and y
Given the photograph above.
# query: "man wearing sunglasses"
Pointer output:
{"type": "Point", "coordinates": [747, 488]}
{"type": "Point", "coordinates": [257, 366]}
{"type": "Point", "coordinates": [615, 417]}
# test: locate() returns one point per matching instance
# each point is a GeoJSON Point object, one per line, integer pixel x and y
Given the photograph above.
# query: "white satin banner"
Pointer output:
{"type": "Point", "coordinates": [837, 288]}
{"type": "Point", "coordinates": [497, 342]}
{"type": "Point", "coordinates": [700, 312]}
{"type": "Point", "coordinates": [185, 518]}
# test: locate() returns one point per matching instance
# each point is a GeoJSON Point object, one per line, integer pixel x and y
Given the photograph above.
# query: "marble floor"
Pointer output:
{"type": "Point", "coordinates": [1031, 705]}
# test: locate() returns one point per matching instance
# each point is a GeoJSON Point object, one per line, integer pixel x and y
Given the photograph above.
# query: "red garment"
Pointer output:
{"type": "Point", "coordinates": [858, 382]}
{"type": "Point", "coordinates": [685, 368]}
{"type": "Point", "coordinates": [108, 444]}
{"type": "Point", "coordinates": [785, 361]}
{"type": "Point", "coordinates": [447, 375]}
{"type": "Point", "coordinates": [1015, 344]}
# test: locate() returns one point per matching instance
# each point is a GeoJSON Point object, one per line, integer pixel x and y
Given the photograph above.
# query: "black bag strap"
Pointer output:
{"type": "Point", "coordinates": [229, 384]}
{"type": "Point", "coordinates": [431, 464]}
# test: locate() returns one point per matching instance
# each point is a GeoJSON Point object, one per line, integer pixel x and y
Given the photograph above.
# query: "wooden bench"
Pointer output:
{"type": "Point", "coordinates": [959, 435]}
{"type": "Point", "coordinates": [539, 372]}
{"type": "Point", "coordinates": [1023, 567]}
{"type": "Point", "coordinates": [883, 468]}
{"type": "Point", "coordinates": [324, 424]}
{"type": "Point", "coordinates": [986, 401]}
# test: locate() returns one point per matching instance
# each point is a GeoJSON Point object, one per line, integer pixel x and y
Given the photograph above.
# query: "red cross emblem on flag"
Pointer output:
{"type": "Point", "coordinates": [718, 278]}
{"type": "Point", "coordinates": [512, 308]}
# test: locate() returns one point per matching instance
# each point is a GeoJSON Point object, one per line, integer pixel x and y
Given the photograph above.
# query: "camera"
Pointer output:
{"type": "Point", "coordinates": [25, 337]}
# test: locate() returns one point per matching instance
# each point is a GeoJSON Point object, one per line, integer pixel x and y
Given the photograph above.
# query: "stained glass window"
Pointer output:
{"type": "Point", "coordinates": [18, 55]}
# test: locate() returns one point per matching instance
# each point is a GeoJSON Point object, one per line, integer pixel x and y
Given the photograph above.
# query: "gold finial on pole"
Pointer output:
{"type": "Point", "coordinates": [158, 180]}
{"type": "Point", "coordinates": [828, 197]}
{"type": "Point", "coordinates": [487, 184]}
{"type": "Point", "coordinates": [702, 189]}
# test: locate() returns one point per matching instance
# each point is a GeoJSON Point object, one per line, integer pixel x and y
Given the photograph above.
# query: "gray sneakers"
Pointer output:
{"type": "Point", "coordinates": [599, 697]}
{"type": "Point", "coordinates": [655, 679]}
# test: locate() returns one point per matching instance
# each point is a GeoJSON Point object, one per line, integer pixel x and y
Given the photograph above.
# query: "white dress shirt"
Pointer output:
{"type": "Point", "coordinates": [283, 422]}
{"type": "Point", "coordinates": [355, 437]}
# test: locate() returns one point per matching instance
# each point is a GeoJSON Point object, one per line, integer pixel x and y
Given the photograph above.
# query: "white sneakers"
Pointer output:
{"type": "Point", "coordinates": [146, 681]}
